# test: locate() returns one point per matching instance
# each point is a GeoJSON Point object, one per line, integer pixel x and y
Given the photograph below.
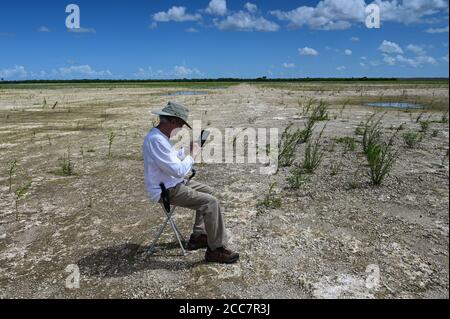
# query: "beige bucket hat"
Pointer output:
{"type": "Point", "coordinates": [175, 110]}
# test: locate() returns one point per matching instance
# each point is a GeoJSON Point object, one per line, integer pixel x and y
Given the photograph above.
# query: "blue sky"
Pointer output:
{"type": "Point", "coordinates": [222, 38]}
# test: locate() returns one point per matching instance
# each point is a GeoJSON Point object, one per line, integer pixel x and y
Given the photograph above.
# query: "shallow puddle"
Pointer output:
{"type": "Point", "coordinates": [398, 105]}
{"type": "Point", "coordinates": [186, 93]}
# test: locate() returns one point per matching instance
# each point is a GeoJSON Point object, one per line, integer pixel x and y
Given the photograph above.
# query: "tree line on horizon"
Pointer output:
{"type": "Point", "coordinates": [259, 79]}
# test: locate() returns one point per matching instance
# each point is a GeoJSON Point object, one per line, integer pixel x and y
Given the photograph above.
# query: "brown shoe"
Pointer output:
{"type": "Point", "coordinates": [221, 255]}
{"type": "Point", "coordinates": [197, 242]}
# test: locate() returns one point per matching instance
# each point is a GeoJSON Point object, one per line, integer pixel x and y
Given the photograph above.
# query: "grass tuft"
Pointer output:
{"type": "Point", "coordinates": [11, 171]}
{"type": "Point", "coordinates": [296, 178]}
{"type": "Point", "coordinates": [313, 154]}
{"type": "Point", "coordinates": [411, 139]}
{"type": "Point", "coordinates": [271, 200]}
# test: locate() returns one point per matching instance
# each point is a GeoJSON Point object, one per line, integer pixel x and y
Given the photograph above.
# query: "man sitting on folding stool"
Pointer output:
{"type": "Point", "coordinates": [163, 164]}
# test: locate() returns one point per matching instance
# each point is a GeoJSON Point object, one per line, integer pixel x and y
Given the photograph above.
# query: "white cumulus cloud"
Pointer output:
{"type": "Point", "coordinates": [342, 14]}
{"type": "Point", "coordinates": [327, 15]}
{"type": "Point", "coordinates": [217, 7]}
{"type": "Point", "coordinates": [244, 21]}
{"type": "Point", "coordinates": [417, 50]}
{"type": "Point", "coordinates": [81, 71]}
{"type": "Point", "coordinates": [251, 7]}
{"type": "Point", "coordinates": [415, 62]}
{"type": "Point", "coordinates": [288, 65]}
{"type": "Point", "coordinates": [411, 11]}
{"type": "Point", "coordinates": [348, 52]}
{"type": "Point", "coordinates": [177, 14]}
{"type": "Point", "coordinates": [308, 51]}
{"type": "Point", "coordinates": [17, 72]}
{"type": "Point", "coordinates": [182, 71]}
{"type": "Point", "coordinates": [176, 72]}
{"type": "Point", "coordinates": [437, 30]}
{"type": "Point", "coordinates": [390, 60]}
{"type": "Point", "coordinates": [390, 47]}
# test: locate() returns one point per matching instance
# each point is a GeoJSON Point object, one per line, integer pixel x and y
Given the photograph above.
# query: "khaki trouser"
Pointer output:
{"type": "Point", "coordinates": [208, 217]}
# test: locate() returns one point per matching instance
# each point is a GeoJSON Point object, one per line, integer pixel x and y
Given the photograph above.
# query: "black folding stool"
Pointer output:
{"type": "Point", "coordinates": [169, 213]}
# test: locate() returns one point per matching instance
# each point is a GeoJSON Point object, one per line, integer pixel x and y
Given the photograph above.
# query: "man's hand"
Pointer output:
{"type": "Point", "coordinates": [194, 150]}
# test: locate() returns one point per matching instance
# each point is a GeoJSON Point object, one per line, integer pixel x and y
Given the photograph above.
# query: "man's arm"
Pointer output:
{"type": "Point", "coordinates": [168, 163]}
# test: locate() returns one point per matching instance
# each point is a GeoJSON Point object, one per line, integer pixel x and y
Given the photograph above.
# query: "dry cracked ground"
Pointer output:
{"type": "Point", "coordinates": [330, 238]}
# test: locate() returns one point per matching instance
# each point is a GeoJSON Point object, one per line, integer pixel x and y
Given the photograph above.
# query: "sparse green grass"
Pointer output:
{"type": "Point", "coordinates": [401, 127]}
{"type": "Point", "coordinates": [66, 166]}
{"type": "Point", "coordinates": [20, 192]}
{"type": "Point", "coordinates": [372, 132]}
{"type": "Point", "coordinates": [354, 181]}
{"type": "Point", "coordinates": [348, 142]}
{"type": "Point", "coordinates": [424, 126]}
{"type": "Point", "coordinates": [307, 107]}
{"type": "Point", "coordinates": [344, 105]}
{"type": "Point", "coordinates": [435, 133]}
{"type": "Point", "coordinates": [444, 118]}
{"type": "Point", "coordinates": [381, 159]}
{"type": "Point", "coordinates": [419, 117]}
{"type": "Point", "coordinates": [111, 137]}
{"type": "Point", "coordinates": [11, 171]}
{"type": "Point", "coordinates": [380, 155]}
{"type": "Point", "coordinates": [287, 146]}
{"type": "Point", "coordinates": [335, 168]}
{"type": "Point", "coordinates": [308, 130]}
{"type": "Point", "coordinates": [313, 154]}
{"type": "Point", "coordinates": [271, 200]}
{"type": "Point", "coordinates": [296, 178]}
{"type": "Point", "coordinates": [319, 112]}
{"type": "Point", "coordinates": [291, 138]}
{"type": "Point", "coordinates": [359, 130]}
{"type": "Point", "coordinates": [411, 139]}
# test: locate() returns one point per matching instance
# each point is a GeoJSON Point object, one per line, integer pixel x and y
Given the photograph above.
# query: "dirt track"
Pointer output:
{"type": "Point", "coordinates": [319, 244]}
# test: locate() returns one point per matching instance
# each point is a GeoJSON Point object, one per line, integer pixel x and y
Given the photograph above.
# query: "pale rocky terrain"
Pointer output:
{"type": "Point", "coordinates": [321, 243]}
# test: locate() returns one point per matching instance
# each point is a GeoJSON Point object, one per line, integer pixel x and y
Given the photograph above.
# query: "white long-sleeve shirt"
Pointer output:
{"type": "Point", "coordinates": [162, 163]}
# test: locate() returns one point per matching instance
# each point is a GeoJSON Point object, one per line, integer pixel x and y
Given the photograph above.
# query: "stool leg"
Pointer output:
{"type": "Point", "coordinates": [180, 239]}
{"type": "Point", "coordinates": [161, 229]}
{"type": "Point", "coordinates": [175, 230]}
{"type": "Point", "coordinates": [152, 248]}
{"type": "Point", "coordinates": [179, 233]}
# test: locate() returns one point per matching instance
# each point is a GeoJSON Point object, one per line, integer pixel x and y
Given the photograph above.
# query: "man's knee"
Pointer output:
{"type": "Point", "coordinates": [212, 204]}
{"type": "Point", "coordinates": [213, 200]}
